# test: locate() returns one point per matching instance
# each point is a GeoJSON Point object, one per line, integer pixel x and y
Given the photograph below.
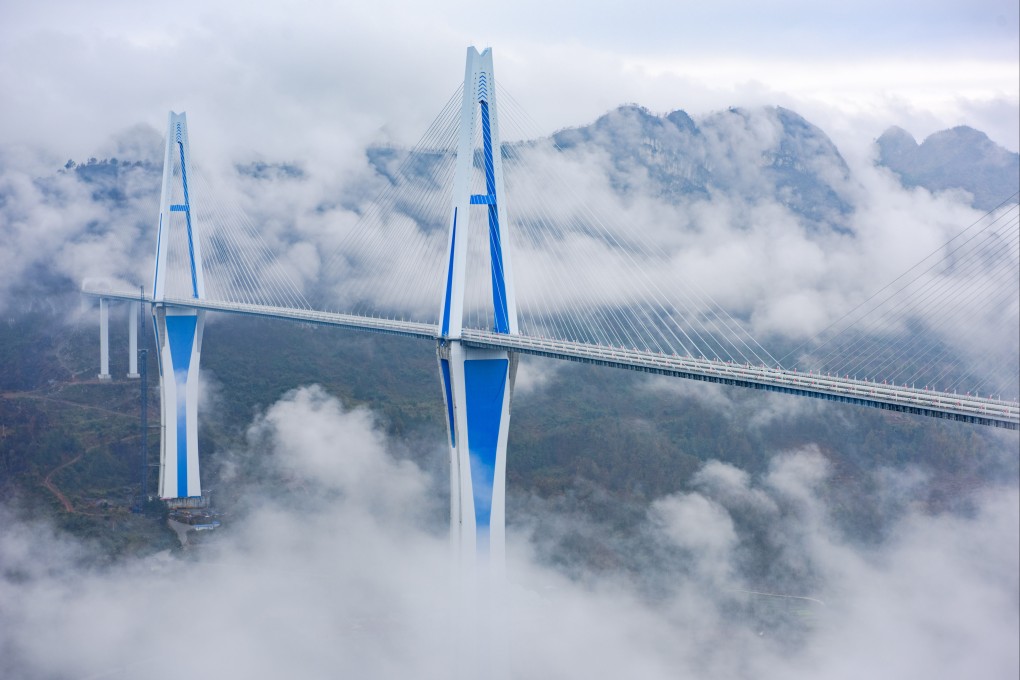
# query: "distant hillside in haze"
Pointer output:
{"type": "Point", "coordinates": [960, 158]}
{"type": "Point", "coordinates": [774, 151]}
{"type": "Point", "coordinates": [771, 152]}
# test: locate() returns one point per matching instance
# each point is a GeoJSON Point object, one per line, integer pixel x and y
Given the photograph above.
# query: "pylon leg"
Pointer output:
{"type": "Point", "coordinates": [104, 339]}
{"type": "Point", "coordinates": [178, 329]}
{"type": "Point", "coordinates": [477, 390]}
{"type": "Point", "coordinates": [133, 310]}
{"type": "Point", "coordinates": [179, 336]}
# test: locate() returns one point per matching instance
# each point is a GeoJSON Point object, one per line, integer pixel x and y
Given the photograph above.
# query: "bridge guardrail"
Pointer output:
{"type": "Point", "coordinates": [969, 406]}
{"type": "Point", "coordinates": [965, 407]}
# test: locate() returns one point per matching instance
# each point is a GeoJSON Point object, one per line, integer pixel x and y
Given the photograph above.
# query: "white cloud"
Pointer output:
{"type": "Point", "coordinates": [315, 439]}
{"type": "Point", "coordinates": [334, 572]}
{"type": "Point", "coordinates": [534, 374]}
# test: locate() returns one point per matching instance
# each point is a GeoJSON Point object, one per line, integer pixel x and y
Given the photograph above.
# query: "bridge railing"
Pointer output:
{"type": "Point", "coordinates": [969, 408]}
{"type": "Point", "coordinates": [980, 409]}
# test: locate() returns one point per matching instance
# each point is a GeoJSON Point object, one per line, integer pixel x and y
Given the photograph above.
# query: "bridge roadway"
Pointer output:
{"type": "Point", "coordinates": [966, 408]}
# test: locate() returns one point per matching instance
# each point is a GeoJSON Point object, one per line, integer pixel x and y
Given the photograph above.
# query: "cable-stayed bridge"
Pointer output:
{"type": "Point", "coordinates": [489, 249]}
{"type": "Point", "coordinates": [902, 398]}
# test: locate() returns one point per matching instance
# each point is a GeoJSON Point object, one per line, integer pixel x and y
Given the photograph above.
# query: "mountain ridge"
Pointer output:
{"type": "Point", "coordinates": [958, 158]}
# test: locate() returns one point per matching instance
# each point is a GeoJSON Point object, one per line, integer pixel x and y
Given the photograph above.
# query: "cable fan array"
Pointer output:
{"type": "Point", "coordinates": [577, 279]}
{"type": "Point", "coordinates": [583, 279]}
{"type": "Point", "coordinates": [239, 266]}
{"type": "Point", "coordinates": [949, 323]}
{"type": "Point", "coordinates": [389, 262]}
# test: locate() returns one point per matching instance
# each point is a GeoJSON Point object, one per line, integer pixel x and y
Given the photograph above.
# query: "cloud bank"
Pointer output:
{"type": "Point", "coordinates": [339, 568]}
{"type": "Point", "coordinates": [752, 211]}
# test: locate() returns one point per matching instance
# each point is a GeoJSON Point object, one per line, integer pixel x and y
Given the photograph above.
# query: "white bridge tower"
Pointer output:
{"type": "Point", "coordinates": [178, 329]}
{"type": "Point", "coordinates": [478, 383]}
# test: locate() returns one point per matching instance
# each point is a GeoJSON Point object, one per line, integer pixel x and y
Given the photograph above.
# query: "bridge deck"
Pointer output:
{"type": "Point", "coordinates": [966, 408]}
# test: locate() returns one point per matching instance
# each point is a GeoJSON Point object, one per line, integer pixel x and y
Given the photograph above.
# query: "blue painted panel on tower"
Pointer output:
{"type": "Point", "coordinates": [449, 277]}
{"type": "Point", "coordinates": [499, 305]}
{"type": "Point", "coordinates": [155, 330]}
{"type": "Point", "coordinates": [187, 214]}
{"type": "Point", "coordinates": [490, 176]}
{"type": "Point", "coordinates": [485, 385]}
{"type": "Point", "coordinates": [159, 244]}
{"type": "Point", "coordinates": [444, 365]}
{"type": "Point", "coordinates": [501, 313]}
{"type": "Point", "coordinates": [180, 333]}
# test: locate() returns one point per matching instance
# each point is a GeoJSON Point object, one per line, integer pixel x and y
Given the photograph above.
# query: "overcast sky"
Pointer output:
{"type": "Point", "coordinates": [299, 79]}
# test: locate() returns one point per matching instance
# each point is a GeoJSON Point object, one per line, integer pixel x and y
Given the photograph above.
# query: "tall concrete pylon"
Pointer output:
{"type": "Point", "coordinates": [178, 329]}
{"type": "Point", "coordinates": [477, 383]}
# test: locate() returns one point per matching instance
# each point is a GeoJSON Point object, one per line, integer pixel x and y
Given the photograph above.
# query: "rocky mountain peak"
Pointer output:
{"type": "Point", "coordinates": [958, 158]}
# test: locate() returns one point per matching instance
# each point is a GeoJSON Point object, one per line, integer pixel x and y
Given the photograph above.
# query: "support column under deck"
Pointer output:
{"type": "Point", "coordinates": [104, 339]}
{"type": "Point", "coordinates": [134, 309]}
